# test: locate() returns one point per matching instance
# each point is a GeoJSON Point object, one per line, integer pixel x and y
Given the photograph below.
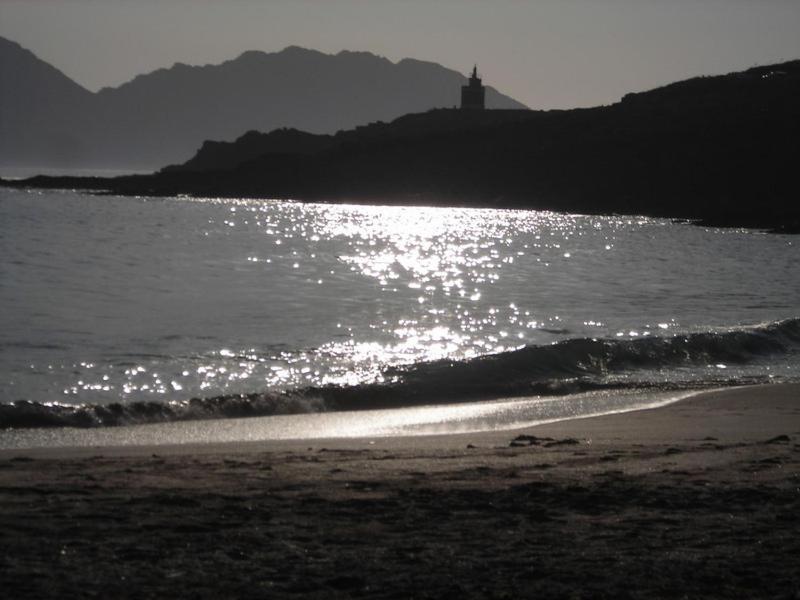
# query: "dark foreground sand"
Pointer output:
{"type": "Point", "coordinates": [696, 500]}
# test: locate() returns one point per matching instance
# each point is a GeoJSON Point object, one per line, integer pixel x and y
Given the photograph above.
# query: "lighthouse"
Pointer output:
{"type": "Point", "coordinates": [472, 94]}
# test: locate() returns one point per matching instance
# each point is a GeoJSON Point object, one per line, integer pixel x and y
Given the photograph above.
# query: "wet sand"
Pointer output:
{"type": "Point", "coordinates": [700, 499]}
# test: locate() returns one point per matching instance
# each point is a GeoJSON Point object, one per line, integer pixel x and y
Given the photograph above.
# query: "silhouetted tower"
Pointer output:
{"type": "Point", "coordinates": [472, 94]}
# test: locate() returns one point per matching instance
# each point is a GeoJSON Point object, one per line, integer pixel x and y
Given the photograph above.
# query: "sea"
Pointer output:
{"type": "Point", "coordinates": [185, 319]}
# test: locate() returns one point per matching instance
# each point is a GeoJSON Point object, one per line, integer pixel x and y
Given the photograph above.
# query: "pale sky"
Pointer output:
{"type": "Point", "coordinates": [547, 54]}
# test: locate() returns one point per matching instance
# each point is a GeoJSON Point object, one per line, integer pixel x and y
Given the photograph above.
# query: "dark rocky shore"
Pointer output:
{"type": "Point", "coordinates": [717, 150]}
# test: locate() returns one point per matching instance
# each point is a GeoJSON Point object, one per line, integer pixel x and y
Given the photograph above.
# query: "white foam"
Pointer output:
{"type": "Point", "coordinates": [503, 414]}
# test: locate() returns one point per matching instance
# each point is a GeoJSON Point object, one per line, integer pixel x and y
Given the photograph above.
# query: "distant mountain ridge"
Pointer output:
{"type": "Point", "coordinates": [34, 97]}
{"type": "Point", "coordinates": [162, 117]}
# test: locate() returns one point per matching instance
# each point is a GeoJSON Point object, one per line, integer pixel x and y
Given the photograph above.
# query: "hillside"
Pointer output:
{"type": "Point", "coordinates": [42, 111]}
{"type": "Point", "coordinates": [224, 156]}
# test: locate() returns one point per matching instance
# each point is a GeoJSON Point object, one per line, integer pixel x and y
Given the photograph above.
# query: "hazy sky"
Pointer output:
{"type": "Point", "coordinates": [548, 54]}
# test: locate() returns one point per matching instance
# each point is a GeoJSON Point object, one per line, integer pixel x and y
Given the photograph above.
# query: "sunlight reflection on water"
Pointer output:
{"type": "Point", "coordinates": [497, 415]}
{"type": "Point", "coordinates": [109, 299]}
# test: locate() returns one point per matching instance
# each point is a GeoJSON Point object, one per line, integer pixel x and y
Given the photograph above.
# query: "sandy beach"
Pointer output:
{"type": "Point", "coordinates": [699, 499]}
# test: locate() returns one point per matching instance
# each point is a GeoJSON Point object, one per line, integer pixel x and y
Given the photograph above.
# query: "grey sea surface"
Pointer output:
{"type": "Point", "coordinates": [108, 299]}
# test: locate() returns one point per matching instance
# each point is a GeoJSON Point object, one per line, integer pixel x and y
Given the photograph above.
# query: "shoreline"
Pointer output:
{"type": "Point", "coordinates": [629, 421]}
{"type": "Point", "coordinates": [92, 185]}
{"type": "Point", "coordinates": [407, 423]}
{"type": "Point", "coordinates": [695, 499]}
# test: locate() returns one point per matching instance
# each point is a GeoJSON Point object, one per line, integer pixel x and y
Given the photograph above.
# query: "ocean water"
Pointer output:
{"type": "Point", "coordinates": [134, 310]}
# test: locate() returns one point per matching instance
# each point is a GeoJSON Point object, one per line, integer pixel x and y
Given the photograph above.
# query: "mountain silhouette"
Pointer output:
{"type": "Point", "coordinates": [162, 117]}
{"type": "Point", "coordinates": [42, 111]}
{"type": "Point", "coordinates": [720, 150]}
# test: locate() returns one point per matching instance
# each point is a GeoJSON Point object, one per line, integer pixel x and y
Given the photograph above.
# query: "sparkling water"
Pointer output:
{"type": "Point", "coordinates": [106, 299]}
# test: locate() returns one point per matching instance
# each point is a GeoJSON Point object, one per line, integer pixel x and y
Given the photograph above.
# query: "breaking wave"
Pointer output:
{"type": "Point", "coordinates": [570, 366]}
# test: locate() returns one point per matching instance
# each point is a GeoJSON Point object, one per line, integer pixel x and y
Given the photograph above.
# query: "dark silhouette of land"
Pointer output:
{"type": "Point", "coordinates": [721, 150]}
{"type": "Point", "coordinates": [473, 95]}
{"type": "Point", "coordinates": [48, 120]}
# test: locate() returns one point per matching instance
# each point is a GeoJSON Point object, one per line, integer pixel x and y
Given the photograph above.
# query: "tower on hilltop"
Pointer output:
{"type": "Point", "coordinates": [473, 94]}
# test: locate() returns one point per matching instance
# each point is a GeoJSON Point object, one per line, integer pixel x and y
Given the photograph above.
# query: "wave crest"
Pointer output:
{"type": "Point", "coordinates": [25, 414]}
{"type": "Point", "coordinates": [570, 366]}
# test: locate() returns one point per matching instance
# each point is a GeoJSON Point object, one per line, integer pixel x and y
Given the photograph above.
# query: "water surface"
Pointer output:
{"type": "Point", "coordinates": [108, 299]}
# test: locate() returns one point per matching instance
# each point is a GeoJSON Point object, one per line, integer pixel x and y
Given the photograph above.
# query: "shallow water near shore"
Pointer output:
{"type": "Point", "coordinates": [504, 414]}
{"type": "Point", "coordinates": [268, 307]}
